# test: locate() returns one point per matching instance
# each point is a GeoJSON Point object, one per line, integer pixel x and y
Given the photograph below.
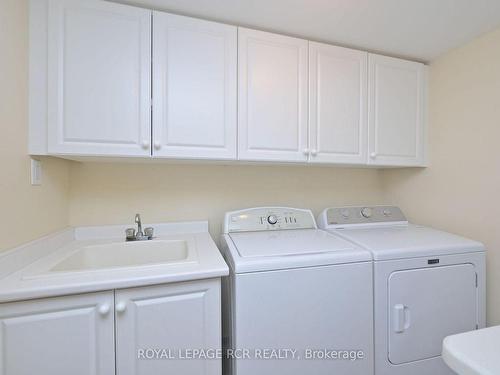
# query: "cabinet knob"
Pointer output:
{"type": "Point", "coordinates": [157, 145]}
{"type": "Point", "coordinates": [373, 155]}
{"type": "Point", "coordinates": [104, 309]}
{"type": "Point", "coordinates": [145, 144]}
{"type": "Point", "coordinates": [314, 152]}
{"type": "Point", "coordinates": [121, 307]}
{"type": "Point", "coordinates": [306, 151]}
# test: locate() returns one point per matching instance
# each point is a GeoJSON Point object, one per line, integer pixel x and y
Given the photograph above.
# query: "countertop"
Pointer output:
{"type": "Point", "coordinates": [24, 271]}
{"type": "Point", "coordinates": [474, 353]}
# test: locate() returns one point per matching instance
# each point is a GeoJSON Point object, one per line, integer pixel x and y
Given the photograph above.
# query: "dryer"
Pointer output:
{"type": "Point", "coordinates": [428, 284]}
{"type": "Point", "coordinates": [294, 287]}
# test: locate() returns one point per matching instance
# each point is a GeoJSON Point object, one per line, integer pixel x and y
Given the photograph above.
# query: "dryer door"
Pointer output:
{"type": "Point", "coordinates": [425, 306]}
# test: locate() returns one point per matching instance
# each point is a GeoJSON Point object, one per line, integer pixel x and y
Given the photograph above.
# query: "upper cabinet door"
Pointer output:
{"type": "Point", "coordinates": [272, 101]}
{"type": "Point", "coordinates": [99, 74]}
{"type": "Point", "coordinates": [397, 111]}
{"type": "Point", "coordinates": [337, 104]}
{"type": "Point", "coordinates": [194, 88]}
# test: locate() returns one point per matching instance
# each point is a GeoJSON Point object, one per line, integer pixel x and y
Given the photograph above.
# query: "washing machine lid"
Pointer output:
{"type": "Point", "coordinates": [273, 250]}
{"type": "Point", "coordinates": [408, 241]}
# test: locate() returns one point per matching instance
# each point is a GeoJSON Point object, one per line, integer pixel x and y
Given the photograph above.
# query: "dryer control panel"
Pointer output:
{"type": "Point", "coordinates": [268, 218]}
{"type": "Point", "coordinates": [360, 215]}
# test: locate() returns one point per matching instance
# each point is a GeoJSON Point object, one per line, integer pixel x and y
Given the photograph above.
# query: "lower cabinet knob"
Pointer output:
{"type": "Point", "coordinates": [314, 152]}
{"type": "Point", "coordinates": [306, 151]}
{"type": "Point", "coordinates": [121, 307]}
{"type": "Point", "coordinates": [145, 144]}
{"type": "Point", "coordinates": [373, 155]}
{"type": "Point", "coordinates": [104, 310]}
{"type": "Point", "coordinates": [157, 145]}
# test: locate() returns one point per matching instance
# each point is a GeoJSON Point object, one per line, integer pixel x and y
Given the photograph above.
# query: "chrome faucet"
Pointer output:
{"type": "Point", "coordinates": [139, 225]}
{"type": "Point", "coordinates": [132, 235]}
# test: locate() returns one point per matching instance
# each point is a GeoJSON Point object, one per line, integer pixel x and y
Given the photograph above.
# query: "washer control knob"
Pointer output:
{"type": "Point", "coordinates": [272, 219]}
{"type": "Point", "coordinates": [387, 212]}
{"type": "Point", "coordinates": [367, 212]}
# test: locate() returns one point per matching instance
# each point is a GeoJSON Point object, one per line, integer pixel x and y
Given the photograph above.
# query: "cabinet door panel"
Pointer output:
{"type": "Point", "coordinates": [338, 104]}
{"type": "Point", "coordinates": [172, 317]}
{"type": "Point", "coordinates": [58, 336]}
{"type": "Point", "coordinates": [396, 119]}
{"type": "Point", "coordinates": [194, 83]}
{"type": "Point", "coordinates": [99, 78]}
{"type": "Point", "coordinates": [272, 101]}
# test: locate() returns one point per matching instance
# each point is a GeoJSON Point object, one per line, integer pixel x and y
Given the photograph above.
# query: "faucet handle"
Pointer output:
{"type": "Point", "coordinates": [130, 234]}
{"type": "Point", "coordinates": [149, 232]}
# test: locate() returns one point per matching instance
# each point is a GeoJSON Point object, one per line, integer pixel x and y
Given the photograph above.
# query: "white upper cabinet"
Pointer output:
{"type": "Point", "coordinates": [337, 104]}
{"type": "Point", "coordinates": [272, 101]}
{"type": "Point", "coordinates": [108, 79]}
{"type": "Point", "coordinates": [194, 88]}
{"type": "Point", "coordinates": [397, 112]}
{"type": "Point", "coordinates": [99, 74]}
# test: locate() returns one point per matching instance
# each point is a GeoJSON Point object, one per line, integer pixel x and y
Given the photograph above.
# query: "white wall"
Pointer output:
{"type": "Point", "coordinates": [27, 212]}
{"type": "Point", "coordinates": [113, 193]}
{"type": "Point", "coordinates": [460, 191]}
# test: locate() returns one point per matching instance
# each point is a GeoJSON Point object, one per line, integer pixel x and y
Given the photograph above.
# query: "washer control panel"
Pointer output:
{"type": "Point", "coordinates": [362, 215]}
{"type": "Point", "coordinates": [268, 218]}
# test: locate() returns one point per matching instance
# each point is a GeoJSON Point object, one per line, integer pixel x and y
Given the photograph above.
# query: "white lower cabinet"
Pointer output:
{"type": "Point", "coordinates": [123, 332]}
{"type": "Point", "coordinates": [58, 336]}
{"type": "Point", "coordinates": [173, 319]}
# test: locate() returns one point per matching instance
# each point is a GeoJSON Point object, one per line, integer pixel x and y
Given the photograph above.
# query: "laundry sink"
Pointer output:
{"type": "Point", "coordinates": [124, 254]}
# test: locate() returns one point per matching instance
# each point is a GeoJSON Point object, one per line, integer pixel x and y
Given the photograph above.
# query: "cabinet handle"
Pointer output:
{"type": "Point", "coordinates": [157, 145]}
{"type": "Point", "coordinates": [314, 152]}
{"type": "Point", "coordinates": [145, 144]}
{"type": "Point", "coordinates": [373, 155]}
{"type": "Point", "coordinates": [104, 309]}
{"type": "Point", "coordinates": [306, 151]}
{"type": "Point", "coordinates": [121, 307]}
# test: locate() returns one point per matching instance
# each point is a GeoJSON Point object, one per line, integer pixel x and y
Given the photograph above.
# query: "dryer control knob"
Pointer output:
{"type": "Point", "coordinates": [272, 219]}
{"type": "Point", "coordinates": [345, 213]}
{"type": "Point", "coordinates": [367, 212]}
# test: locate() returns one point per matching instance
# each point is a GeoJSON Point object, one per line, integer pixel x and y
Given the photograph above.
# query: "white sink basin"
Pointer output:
{"type": "Point", "coordinates": [124, 254]}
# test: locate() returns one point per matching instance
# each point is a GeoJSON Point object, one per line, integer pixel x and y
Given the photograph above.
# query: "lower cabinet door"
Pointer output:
{"type": "Point", "coordinates": [58, 336]}
{"type": "Point", "coordinates": [169, 329]}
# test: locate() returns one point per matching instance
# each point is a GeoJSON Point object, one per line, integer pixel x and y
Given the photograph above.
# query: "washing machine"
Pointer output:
{"type": "Point", "coordinates": [300, 293]}
{"type": "Point", "coordinates": [428, 284]}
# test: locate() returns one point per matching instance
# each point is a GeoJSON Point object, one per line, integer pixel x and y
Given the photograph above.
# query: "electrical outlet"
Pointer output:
{"type": "Point", "coordinates": [36, 172]}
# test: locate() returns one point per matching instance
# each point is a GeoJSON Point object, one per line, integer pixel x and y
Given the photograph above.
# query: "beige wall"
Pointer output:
{"type": "Point", "coordinates": [113, 193]}
{"type": "Point", "coordinates": [27, 212]}
{"type": "Point", "coordinates": [460, 191]}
